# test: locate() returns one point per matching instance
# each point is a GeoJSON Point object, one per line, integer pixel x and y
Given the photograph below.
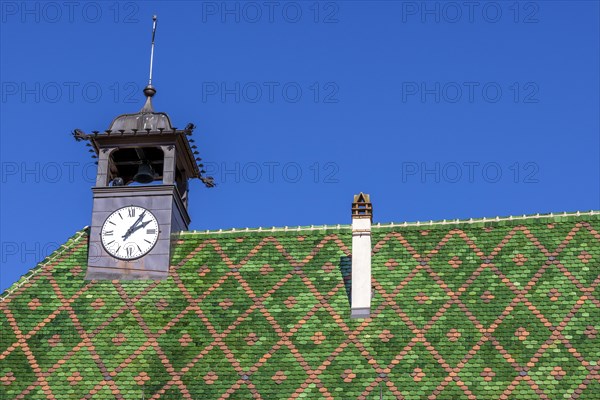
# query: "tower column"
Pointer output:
{"type": "Point", "coordinates": [169, 164]}
{"type": "Point", "coordinates": [103, 165]}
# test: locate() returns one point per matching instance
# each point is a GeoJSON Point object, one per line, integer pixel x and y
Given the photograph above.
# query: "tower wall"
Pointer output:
{"type": "Point", "coordinates": [164, 202]}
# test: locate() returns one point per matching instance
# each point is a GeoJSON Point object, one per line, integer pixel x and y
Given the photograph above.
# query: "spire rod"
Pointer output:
{"type": "Point", "coordinates": [149, 90]}
{"type": "Point", "coordinates": [154, 18]}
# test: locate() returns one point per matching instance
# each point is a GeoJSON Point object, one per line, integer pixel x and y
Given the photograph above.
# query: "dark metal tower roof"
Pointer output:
{"type": "Point", "coordinates": [147, 118]}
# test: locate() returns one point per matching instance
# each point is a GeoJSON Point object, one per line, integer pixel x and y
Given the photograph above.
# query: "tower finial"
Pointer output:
{"type": "Point", "coordinates": [149, 90]}
{"type": "Point", "coordinates": [154, 18]}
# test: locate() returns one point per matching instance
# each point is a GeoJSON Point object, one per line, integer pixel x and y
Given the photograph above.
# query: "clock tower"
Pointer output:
{"type": "Point", "coordinates": [140, 200]}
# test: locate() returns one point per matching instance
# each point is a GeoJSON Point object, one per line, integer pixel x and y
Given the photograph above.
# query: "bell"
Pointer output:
{"type": "Point", "coordinates": [145, 174]}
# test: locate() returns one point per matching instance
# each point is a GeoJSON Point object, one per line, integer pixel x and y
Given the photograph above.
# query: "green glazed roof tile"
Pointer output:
{"type": "Point", "coordinates": [483, 310]}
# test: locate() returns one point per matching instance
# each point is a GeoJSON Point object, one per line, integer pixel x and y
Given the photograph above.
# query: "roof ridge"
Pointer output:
{"type": "Point", "coordinates": [394, 224]}
{"type": "Point", "coordinates": [486, 219]}
{"type": "Point", "coordinates": [68, 245]}
{"type": "Point", "coordinates": [270, 229]}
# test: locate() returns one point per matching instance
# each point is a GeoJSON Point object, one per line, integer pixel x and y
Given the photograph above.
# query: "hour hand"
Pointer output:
{"type": "Point", "coordinates": [140, 226]}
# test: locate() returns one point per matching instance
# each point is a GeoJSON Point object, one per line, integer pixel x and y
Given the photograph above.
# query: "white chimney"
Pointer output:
{"type": "Point", "coordinates": [362, 216]}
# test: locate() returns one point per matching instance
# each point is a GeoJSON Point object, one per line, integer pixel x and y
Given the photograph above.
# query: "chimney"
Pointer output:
{"type": "Point", "coordinates": [362, 216]}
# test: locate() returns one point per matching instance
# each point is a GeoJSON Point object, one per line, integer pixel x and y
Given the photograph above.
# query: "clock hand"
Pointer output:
{"type": "Point", "coordinates": [135, 229]}
{"type": "Point", "coordinates": [139, 227]}
{"type": "Point", "coordinates": [132, 227]}
{"type": "Point", "coordinates": [144, 224]}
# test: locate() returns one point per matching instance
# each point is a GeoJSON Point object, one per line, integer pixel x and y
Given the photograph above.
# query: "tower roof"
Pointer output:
{"type": "Point", "coordinates": [145, 119]}
{"type": "Point", "coordinates": [143, 127]}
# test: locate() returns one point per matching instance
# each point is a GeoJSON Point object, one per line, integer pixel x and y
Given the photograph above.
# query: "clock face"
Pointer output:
{"type": "Point", "coordinates": [129, 233]}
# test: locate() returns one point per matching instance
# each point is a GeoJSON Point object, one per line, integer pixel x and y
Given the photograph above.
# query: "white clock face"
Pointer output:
{"type": "Point", "coordinates": [129, 233]}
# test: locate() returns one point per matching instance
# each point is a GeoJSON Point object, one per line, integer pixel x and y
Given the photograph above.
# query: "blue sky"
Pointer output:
{"type": "Point", "coordinates": [439, 110]}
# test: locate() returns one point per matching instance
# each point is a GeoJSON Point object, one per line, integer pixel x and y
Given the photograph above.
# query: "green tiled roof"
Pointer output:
{"type": "Point", "coordinates": [491, 310]}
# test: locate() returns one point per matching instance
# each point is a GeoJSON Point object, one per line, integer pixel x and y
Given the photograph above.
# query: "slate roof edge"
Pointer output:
{"type": "Point", "coordinates": [549, 216]}
{"type": "Point", "coordinates": [67, 246]}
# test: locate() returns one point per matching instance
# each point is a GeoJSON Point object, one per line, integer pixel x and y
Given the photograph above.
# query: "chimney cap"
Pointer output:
{"type": "Point", "coordinates": [362, 198]}
{"type": "Point", "coordinates": [362, 207]}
